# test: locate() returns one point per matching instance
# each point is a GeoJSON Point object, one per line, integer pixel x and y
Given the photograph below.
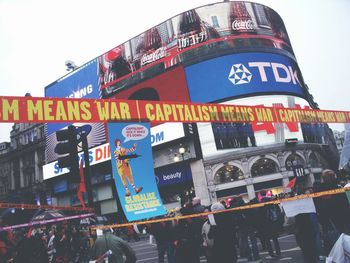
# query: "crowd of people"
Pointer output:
{"type": "Point", "coordinates": [226, 236]}
{"type": "Point", "coordinates": [220, 237]}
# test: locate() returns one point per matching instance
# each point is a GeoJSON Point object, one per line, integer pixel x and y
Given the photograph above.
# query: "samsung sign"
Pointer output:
{"type": "Point", "coordinates": [81, 83]}
{"type": "Point", "coordinates": [241, 74]}
{"type": "Point", "coordinates": [159, 134]}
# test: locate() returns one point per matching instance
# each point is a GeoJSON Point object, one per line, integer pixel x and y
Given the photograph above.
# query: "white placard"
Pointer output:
{"type": "Point", "coordinates": [293, 208]}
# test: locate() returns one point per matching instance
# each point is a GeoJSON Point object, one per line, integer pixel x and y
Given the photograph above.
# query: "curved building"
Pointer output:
{"type": "Point", "coordinates": [229, 52]}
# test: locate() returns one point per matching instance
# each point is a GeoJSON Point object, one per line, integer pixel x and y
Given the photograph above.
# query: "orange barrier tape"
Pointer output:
{"type": "Point", "coordinates": [277, 201]}
{"type": "Point", "coordinates": [31, 109]}
{"type": "Point", "coordinates": [30, 206]}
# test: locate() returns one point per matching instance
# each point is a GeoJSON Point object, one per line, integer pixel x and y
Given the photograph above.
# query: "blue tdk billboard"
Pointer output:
{"type": "Point", "coordinates": [243, 74]}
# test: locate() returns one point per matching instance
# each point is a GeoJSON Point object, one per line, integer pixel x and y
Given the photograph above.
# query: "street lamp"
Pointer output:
{"type": "Point", "coordinates": [70, 65]}
{"type": "Point", "coordinates": [182, 151]}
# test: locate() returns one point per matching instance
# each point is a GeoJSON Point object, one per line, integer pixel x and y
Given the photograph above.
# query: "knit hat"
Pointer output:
{"type": "Point", "coordinates": [217, 207]}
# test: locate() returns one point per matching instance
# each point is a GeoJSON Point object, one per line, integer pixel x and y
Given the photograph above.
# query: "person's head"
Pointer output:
{"type": "Point", "coordinates": [18, 235]}
{"type": "Point", "coordinates": [328, 176]}
{"type": "Point", "coordinates": [217, 207]}
{"type": "Point", "coordinates": [196, 201]}
{"type": "Point", "coordinates": [107, 231]}
{"type": "Point", "coordinates": [117, 142]}
{"type": "Point", "coordinates": [223, 202]}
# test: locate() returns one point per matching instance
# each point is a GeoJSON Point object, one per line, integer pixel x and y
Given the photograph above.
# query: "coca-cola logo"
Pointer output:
{"type": "Point", "coordinates": [154, 56]}
{"type": "Point", "coordinates": [243, 25]}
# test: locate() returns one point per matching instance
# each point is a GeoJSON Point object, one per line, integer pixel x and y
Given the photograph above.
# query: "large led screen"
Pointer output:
{"type": "Point", "coordinates": [192, 36]}
{"type": "Point", "coordinates": [220, 138]}
{"type": "Point", "coordinates": [243, 74]}
{"type": "Point", "coordinates": [82, 83]}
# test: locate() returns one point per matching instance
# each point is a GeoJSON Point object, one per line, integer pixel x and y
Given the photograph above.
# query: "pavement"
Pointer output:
{"type": "Point", "coordinates": [147, 252]}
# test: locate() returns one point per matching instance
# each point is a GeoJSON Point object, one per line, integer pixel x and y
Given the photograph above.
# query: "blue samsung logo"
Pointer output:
{"type": "Point", "coordinates": [81, 92]}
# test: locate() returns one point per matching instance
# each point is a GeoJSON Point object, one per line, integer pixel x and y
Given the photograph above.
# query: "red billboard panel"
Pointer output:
{"type": "Point", "coordinates": [169, 86]}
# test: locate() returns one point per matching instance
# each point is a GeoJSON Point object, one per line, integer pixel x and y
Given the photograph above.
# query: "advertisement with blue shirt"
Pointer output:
{"type": "Point", "coordinates": [241, 74]}
{"type": "Point", "coordinates": [133, 172]}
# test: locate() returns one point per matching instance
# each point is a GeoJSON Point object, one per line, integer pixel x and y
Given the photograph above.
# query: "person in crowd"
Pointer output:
{"type": "Point", "coordinates": [4, 244]}
{"type": "Point", "coordinates": [223, 235]}
{"type": "Point", "coordinates": [118, 246]}
{"type": "Point", "coordinates": [29, 249]}
{"type": "Point", "coordinates": [61, 244]}
{"type": "Point", "coordinates": [208, 243]}
{"type": "Point", "coordinates": [306, 234]}
{"type": "Point", "coordinates": [186, 241]}
{"type": "Point", "coordinates": [132, 234]}
{"type": "Point", "coordinates": [163, 233]}
{"type": "Point", "coordinates": [198, 222]}
{"type": "Point", "coordinates": [84, 247]}
{"type": "Point", "coordinates": [75, 244]}
{"type": "Point", "coordinates": [317, 229]}
{"type": "Point", "coordinates": [272, 219]}
{"type": "Point", "coordinates": [197, 206]}
{"type": "Point", "coordinates": [50, 248]}
{"type": "Point", "coordinates": [246, 220]}
{"type": "Point", "coordinates": [333, 210]}
{"type": "Point", "coordinates": [257, 223]}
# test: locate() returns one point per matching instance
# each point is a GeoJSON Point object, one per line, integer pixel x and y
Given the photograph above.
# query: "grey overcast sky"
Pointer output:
{"type": "Point", "coordinates": [38, 36]}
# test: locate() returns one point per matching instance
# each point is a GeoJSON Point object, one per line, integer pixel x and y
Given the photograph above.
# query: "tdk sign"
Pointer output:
{"type": "Point", "coordinates": [239, 74]}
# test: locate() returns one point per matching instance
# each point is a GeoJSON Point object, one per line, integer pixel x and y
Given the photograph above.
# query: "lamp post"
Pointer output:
{"type": "Point", "coordinates": [182, 152]}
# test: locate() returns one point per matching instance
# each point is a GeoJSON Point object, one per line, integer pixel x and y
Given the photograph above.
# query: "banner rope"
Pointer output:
{"type": "Point", "coordinates": [276, 201]}
{"type": "Point", "coordinates": [49, 207]}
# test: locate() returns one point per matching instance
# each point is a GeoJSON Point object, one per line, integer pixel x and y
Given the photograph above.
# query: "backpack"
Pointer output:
{"type": "Point", "coordinates": [274, 213]}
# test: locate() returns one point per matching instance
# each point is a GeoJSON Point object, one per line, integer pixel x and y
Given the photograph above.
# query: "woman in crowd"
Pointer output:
{"type": "Point", "coordinates": [333, 210]}
{"type": "Point", "coordinates": [223, 234]}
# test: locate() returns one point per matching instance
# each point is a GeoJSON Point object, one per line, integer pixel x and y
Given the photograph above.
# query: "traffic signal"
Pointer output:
{"type": "Point", "coordinates": [67, 143]}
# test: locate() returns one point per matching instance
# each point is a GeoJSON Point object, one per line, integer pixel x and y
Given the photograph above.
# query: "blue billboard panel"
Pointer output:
{"type": "Point", "coordinates": [133, 173]}
{"type": "Point", "coordinates": [243, 74]}
{"type": "Point", "coordinates": [174, 174]}
{"type": "Point", "coordinates": [81, 83]}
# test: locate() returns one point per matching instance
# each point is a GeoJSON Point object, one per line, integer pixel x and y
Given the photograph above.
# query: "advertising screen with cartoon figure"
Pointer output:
{"type": "Point", "coordinates": [132, 164]}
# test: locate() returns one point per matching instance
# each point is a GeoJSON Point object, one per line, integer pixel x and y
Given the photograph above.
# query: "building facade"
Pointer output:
{"type": "Point", "coordinates": [230, 53]}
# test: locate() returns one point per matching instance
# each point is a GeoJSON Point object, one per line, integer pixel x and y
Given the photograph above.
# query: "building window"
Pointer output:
{"type": "Point", "coordinates": [228, 173]}
{"type": "Point", "coordinates": [292, 160]}
{"type": "Point", "coordinates": [264, 166]}
{"type": "Point", "coordinates": [315, 161]}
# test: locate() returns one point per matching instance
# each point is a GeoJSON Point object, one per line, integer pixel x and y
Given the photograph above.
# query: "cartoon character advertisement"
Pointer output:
{"type": "Point", "coordinates": [132, 163]}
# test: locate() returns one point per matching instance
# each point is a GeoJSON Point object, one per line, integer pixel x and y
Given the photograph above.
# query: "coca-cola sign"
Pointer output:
{"type": "Point", "coordinates": [154, 56]}
{"type": "Point", "coordinates": [243, 25]}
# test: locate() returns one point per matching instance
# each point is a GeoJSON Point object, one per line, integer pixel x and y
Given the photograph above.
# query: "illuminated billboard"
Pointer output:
{"type": "Point", "coordinates": [220, 138]}
{"type": "Point", "coordinates": [243, 74]}
{"type": "Point", "coordinates": [151, 65]}
{"type": "Point", "coordinates": [82, 83]}
{"type": "Point", "coordinates": [195, 35]}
